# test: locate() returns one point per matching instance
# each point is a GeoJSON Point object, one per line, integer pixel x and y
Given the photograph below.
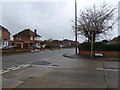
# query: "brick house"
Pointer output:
{"type": "Point", "coordinates": [26, 38]}
{"type": "Point", "coordinates": [4, 36]}
{"type": "Point", "coordinates": [115, 40]}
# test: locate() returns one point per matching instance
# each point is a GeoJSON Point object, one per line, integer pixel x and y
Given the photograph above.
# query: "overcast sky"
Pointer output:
{"type": "Point", "coordinates": [52, 19]}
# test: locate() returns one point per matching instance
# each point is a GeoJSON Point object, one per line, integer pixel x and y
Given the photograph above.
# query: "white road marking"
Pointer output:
{"type": "Point", "coordinates": [11, 68]}
{"type": "Point", "coordinates": [108, 69]}
{"type": "Point", "coordinates": [22, 65]}
{"type": "Point", "coordinates": [16, 68]}
{"type": "Point", "coordinates": [4, 71]}
{"type": "Point", "coordinates": [26, 65]}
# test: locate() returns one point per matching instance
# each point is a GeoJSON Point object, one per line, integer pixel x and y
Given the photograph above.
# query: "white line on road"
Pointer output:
{"type": "Point", "coordinates": [11, 68]}
{"type": "Point", "coordinates": [22, 65]}
{"type": "Point", "coordinates": [4, 71]}
{"type": "Point", "coordinates": [16, 68]}
{"type": "Point", "coordinates": [26, 65]}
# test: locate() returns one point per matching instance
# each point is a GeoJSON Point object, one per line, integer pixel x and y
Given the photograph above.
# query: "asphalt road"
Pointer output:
{"type": "Point", "coordinates": [50, 69]}
{"type": "Point", "coordinates": [13, 60]}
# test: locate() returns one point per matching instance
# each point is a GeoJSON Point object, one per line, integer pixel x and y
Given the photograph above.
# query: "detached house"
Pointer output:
{"type": "Point", "coordinates": [115, 40]}
{"type": "Point", "coordinates": [26, 38]}
{"type": "Point", "coordinates": [4, 36]}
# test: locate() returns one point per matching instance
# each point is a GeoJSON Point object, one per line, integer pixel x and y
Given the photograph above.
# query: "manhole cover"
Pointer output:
{"type": "Point", "coordinates": [41, 63]}
{"type": "Point", "coordinates": [54, 65]}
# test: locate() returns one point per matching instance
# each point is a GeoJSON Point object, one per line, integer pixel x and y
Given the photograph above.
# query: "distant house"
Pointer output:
{"type": "Point", "coordinates": [56, 42]}
{"type": "Point", "coordinates": [4, 36]}
{"type": "Point", "coordinates": [61, 43]}
{"type": "Point", "coordinates": [115, 40]}
{"type": "Point", "coordinates": [26, 38]}
{"type": "Point", "coordinates": [67, 42]}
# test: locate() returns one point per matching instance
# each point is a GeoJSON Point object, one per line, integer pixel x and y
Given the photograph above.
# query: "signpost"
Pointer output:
{"type": "Point", "coordinates": [92, 47]}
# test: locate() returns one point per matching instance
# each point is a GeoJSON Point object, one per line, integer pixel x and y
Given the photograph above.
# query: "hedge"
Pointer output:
{"type": "Point", "coordinates": [99, 46]}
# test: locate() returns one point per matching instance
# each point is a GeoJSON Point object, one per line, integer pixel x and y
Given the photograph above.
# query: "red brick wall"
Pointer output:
{"type": "Point", "coordinates": [106, 53]}
{"type": "Point", "coordinates": [14, 50]}
{"type": "Point", "coordinates": [24, 39]}
{"type": "Point", "coordinates": [5, 35]}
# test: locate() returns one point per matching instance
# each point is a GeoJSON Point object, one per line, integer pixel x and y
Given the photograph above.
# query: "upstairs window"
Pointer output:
{"type": "Point", "coordinates": [31, 38]}
{"type": "Point", "coordinates": [37, 38]}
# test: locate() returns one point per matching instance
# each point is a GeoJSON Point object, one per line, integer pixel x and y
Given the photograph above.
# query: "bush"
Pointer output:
{"type": "Point", "coordinates": [49, 46]}
{"type": "Point", "coordinates": [85, 46]}
{"type": "Point", "coordinates": [99, 46]}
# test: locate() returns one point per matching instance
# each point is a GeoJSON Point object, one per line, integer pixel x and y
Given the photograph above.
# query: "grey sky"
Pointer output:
{"type": "Point", "coordinates": [51, 19]}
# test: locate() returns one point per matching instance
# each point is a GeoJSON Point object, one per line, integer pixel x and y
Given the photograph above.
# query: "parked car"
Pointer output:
{"type": "Point", "coordinates": [6, 47]}
{"type": "Point", "coordinates": [36, 46]}
{"type": "Point", "coordinates": [1, 47]}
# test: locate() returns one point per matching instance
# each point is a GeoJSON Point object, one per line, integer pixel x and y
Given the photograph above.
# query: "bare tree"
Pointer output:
{"type": "Point", "coordinates": [96, 21]}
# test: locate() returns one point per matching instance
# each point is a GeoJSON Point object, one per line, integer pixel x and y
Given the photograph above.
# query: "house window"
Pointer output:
{"type": "Point", "coordinates": [37, 38]}
{"type": "Point", "coordinates": [31, 38]}
{"type": "Point", "coordinates": [20, 38]}
{"type": "Point", "coordinates": [17, 37]}
{"type": "Point", "coordinates": [5, 43]}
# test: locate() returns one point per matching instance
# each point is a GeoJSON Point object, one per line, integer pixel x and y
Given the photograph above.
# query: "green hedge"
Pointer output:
{"type": "Point", "coordinates": [49, 46]}
{"type": "Point", "coordinates": [99, 46]}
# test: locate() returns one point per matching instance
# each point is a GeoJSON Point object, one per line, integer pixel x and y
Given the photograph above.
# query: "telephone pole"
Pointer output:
{"type": "Point", "coordinates": [76, 27]}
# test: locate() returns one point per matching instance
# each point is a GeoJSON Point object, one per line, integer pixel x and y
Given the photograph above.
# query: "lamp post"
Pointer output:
{"type": "Point", "coordinates": [75, 26]}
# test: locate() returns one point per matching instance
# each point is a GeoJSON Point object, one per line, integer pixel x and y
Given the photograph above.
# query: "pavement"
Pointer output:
{"type": "Point", "coordinates": [104, 58]}
{"type": "Point", "coordinates": [64, 72]}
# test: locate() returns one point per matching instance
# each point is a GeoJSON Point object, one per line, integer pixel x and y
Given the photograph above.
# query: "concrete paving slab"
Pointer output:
{"type": "Point", "coordinates": [68, 78]}
{"type": "Point", "coordinates": [40, 74]}
{"type": "Point", "coordinates": [112, 79]}
{"type": "Point", "coordinates": [15, 84]}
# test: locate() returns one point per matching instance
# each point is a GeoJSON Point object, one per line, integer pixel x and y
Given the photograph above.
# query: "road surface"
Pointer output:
{"type": "Point", "coordinates": [13, 60]}
{"type": "Point", "coordinates": [50, 69]}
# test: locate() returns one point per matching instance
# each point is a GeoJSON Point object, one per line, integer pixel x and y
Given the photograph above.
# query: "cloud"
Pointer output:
{"type": "Point", "coordinates": [51, 19]}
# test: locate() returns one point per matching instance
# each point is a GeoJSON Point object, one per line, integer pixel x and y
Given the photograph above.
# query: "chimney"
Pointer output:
{"type": "Point", "coordinates": [35, 31]}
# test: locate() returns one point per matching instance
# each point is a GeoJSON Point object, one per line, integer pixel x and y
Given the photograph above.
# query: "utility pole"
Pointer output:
{"type": "Point", "coordinates": [75, 26]}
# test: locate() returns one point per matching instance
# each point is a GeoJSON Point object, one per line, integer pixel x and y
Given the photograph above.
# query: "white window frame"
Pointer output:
{"type": "Point", "coordinates": [37, 38]}
{"type": "Point", "coordinates": [31, 38]}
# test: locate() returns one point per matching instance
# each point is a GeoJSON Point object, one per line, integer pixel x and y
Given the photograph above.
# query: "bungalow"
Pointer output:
{"type": "Point", "coordinates": [26, 38]}
{"type": "Point", "coordinates": [4, 36]}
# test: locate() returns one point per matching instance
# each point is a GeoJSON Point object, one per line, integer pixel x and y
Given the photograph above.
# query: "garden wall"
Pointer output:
{"type": "Point", "coordinates": [14, 50]}
{"type": "Point", "coordinates": [106, 53]}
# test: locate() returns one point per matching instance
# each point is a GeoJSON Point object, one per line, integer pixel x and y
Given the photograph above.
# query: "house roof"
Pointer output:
{"type": "Point", "coordinates": [116, 39]}
{"type": "Point", "coordinates": [26, 32]}
{"type": "Point", "coordinates": [4, 29]}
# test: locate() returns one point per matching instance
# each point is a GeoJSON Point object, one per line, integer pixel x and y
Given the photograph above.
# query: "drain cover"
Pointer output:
{"type": "Point", "coordinates": [41, 63]}
{"type": "Point", "coordinates": [54, 65]}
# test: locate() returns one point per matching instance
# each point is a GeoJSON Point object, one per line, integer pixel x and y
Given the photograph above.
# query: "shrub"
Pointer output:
{"type": "Point", "coordinates": [48, 46]}
{"type": "Point", "coordinates": [85, 46]}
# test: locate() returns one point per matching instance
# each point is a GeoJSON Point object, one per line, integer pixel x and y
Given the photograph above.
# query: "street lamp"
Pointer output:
{"type": "Point", "coordinates": [75, 26]}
